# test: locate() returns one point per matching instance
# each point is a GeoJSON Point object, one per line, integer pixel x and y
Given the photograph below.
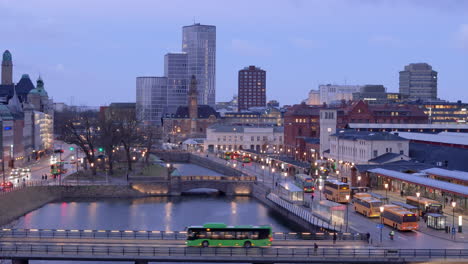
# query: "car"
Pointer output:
{"type": "Point", "coordinates": [26, 170]}
{"type": "Point", "coordinates": [6, 185]}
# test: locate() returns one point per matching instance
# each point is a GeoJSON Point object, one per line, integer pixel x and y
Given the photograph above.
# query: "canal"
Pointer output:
{"type": "Point", "coordinates": [152, 213]}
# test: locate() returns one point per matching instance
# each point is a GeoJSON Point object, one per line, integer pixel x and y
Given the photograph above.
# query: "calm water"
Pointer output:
{"type": "Point", "coordinates": [155, 213]}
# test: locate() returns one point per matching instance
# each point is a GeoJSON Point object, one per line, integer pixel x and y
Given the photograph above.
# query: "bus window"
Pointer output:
{"type": "Point", "coordinates": [410, 218]}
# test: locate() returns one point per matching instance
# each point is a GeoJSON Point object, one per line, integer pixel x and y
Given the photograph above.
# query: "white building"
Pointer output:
{"type": "Point", "coordinates": [348, 147]}
{"type": "Point", "coordinates": [330, 93]}
{"type": "Point", "coordinates": [227, 137]}
{"type": "Point", "coordinates": [313, 98]}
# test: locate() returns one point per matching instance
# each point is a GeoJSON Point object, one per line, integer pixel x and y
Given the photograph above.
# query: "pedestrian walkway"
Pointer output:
{"type": "Point", "coordinates": [459, 237]}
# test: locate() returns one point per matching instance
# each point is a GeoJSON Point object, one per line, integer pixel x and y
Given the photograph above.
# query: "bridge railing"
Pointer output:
{"type": "Point", "coordinates": [12, 250]}
{"type": "Point", "coordinates": [215, 178]}
{"type": "Point", "coordinates": [157, 235]}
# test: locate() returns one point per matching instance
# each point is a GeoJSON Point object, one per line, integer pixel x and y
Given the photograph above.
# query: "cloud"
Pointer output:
{"type": "Point", "coordinates": [385, 41]}
{"type": "Point", "coordinates": [304, 43]}
{"type": "Point", "coordinates": [249, 48]}
{"type": "Point", "coordinates": [462, 37]}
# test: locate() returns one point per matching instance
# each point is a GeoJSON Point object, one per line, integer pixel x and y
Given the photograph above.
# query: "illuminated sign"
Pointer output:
{"type": "Point", "coordinates": [7, 128]}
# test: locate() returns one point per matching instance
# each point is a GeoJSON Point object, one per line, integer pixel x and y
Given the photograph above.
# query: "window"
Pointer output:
{"type": "Point", "coordinates": [375, 153]}
{"type": "Point", "coordinates": [402, 152]}
{"type": "Point", "coordinates": [252, 138]}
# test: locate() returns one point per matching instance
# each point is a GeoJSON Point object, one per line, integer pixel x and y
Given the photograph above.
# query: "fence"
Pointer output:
{"type": "Point", "coordinates": [9, 250]}
{"type": "Point", "coordinates": [157, 235]}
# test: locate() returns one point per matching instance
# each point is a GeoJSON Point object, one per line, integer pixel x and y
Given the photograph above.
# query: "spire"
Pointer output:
{"type": "Point", "coordinates": [14, 104]}
{"type": "Point", "coordinates": [7, 69]}
{"type": "Point", "coordinates": [193, 85]}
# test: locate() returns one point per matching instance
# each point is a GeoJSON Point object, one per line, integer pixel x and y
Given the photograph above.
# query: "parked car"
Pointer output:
{"type": "Point", "coordinates": [6, 185]}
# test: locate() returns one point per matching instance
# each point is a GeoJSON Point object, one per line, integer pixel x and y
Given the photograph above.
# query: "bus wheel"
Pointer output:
{"type": "Point", "coordinates": [247, 244]}
{"type": "Point", "coordinates": [205, 244]}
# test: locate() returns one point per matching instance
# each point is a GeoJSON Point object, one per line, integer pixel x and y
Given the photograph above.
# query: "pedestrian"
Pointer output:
{"type": "Point", "coordinates": [315, 248]}
{"type": "Point", "coordinates": [368, 237]}
{"type": "Point", "coordinates": [45, 176]}
{"type": "Point", "coordinates": [401, 193]}
{"type": "Point", "coordinates": [334, 238]}
{"type": "Point", "coordinates": [312, 197]}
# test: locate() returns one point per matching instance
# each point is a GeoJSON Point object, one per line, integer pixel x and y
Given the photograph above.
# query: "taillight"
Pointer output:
{"type": "Point", "coordinates": [305, 189]}
{"type": "Point", "coordinates": [271, 239]}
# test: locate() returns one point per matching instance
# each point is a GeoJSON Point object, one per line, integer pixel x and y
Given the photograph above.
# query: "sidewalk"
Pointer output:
{"type": "Point", "coordinates": [459, 237]}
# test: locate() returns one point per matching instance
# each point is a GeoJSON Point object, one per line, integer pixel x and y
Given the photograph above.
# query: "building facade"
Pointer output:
{"type": "Point", "coordinates": [175, 70]}
{"type": "Point", "coordinates": [251, 88]}
{"type": "Point", "coordinates": [331, 93]}
{"type": "Point", "coordinates": [255, 116]}
{"type": "Point", "coordinates": [313, 98]}
{"type": "Point", "coordinates": [199, 43]}
{"type": "Point", "coordinates": [230, 138]}
{"type": "Point", "coordinates": [151, 99]}
{"type": "Point", "coordinates": [419, 81]}
{"type": "Point", "coordinates": [377, 94]}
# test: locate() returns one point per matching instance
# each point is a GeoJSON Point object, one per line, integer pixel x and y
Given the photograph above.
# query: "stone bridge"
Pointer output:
{"type": "Point", "coordinates": [229, 185]}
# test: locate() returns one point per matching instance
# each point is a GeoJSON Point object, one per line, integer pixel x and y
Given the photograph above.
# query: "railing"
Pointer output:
{"type": "Point", "coordinates": [209, 254]}
{"type": "Point", "coordinates": [214, 178]}
{"type": "Point", "coordinates": [156, 235]}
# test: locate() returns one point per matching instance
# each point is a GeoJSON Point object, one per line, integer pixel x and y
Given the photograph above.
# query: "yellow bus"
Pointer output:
{"type": "Point", "coordinates": [336, 191]}
{"type": "Point", "coordinates": [399, 218]}
{"type": "Point", "coordinates": [425, 205]}
{"type": "Point", "coordinates": [365, 204]}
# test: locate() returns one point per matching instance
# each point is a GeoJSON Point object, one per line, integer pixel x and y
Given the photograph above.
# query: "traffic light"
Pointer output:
{"type": "Point", "coordinates": [72, 148]}
{"type": "Point", "coordinates": [100, 149]}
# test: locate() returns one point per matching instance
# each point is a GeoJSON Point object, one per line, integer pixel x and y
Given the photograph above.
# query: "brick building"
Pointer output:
{"type": "Point", "coordinates": [252, 88]}
{"type": "Point", "coordinates": [304, 121]}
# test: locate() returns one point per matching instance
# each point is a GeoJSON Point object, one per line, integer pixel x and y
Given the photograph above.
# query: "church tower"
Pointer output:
{"type": "Point", "coordinates": [7, 68]}
{"type": "Point", "coordinates": [193, 104]}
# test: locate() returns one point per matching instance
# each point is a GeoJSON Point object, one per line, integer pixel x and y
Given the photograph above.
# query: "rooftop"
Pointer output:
{"type": "Point", "coordinates": [241, 129]}
{"type": "Point", "coordinates": [386, 157]}
{"type": "Point", "coordinates": [442, 137]}
{"type": "Point", "coordinates": [454, 174]}
{"type": "Point", "coordinates": [366, 135]}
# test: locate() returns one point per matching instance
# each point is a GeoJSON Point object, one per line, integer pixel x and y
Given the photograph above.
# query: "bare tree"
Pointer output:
{"type": "Point", "coordinates": [129, 132]}
{"type": "Point", "coordinates": [82, 132]}
{"type": "Point", "coordinates": [109, 138]}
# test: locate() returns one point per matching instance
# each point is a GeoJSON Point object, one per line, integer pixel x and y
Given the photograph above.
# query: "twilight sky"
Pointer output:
{"type": "Point", "coordinates": [90, 51]}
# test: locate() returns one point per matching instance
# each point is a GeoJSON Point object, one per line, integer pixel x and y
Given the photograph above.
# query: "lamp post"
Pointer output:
{"type": "Point", "coordinates": [347, 215]}
{"type": "Point", "coordinates": [381, 222]}
{"type": "Point", "coordinates": [273, 171]}
{"type": "Point", "coordinates": [359, 181]}
{"type": "Point", "coordinates": [453, 218]}
{"type": "Point", "coordinates": [320, 191]}
{"type": "Point", "coordinates": [419, 211]}
{"type": "Point", "coordinates": [386, 190]}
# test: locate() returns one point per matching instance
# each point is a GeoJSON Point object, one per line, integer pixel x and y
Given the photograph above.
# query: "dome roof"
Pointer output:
{"type": "Point", "coordinates": [39, 88]}
{"type": "Point", "coordinates": [7, 55]}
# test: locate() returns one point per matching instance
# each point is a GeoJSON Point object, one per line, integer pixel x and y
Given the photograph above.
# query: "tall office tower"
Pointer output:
{"type": "Point", "coordinates": [7, 68]}
{"type": "Point", "coordinates": [252, 88]}
{"type": "Point", "coordinates": [419, 81]}
{"type": "Point", "coordinates": [199, 42]}
{"type": "Point", "coordinates": [175, 69]}
{"type": "Point", "coordinates": [151, 99]}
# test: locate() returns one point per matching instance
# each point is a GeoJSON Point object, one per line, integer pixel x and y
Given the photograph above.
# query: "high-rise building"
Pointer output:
{"type": "Point", "coordinates": [175, 69]}
{"type": "Point", "coordinates": [419, 81]}
{"type": "Point", "coordinates": [151, 99]}
{"type": "Point", "coordinates": [199, 42]}
{"type": "Point", "coordinates": [7, 68]}
{"type": "Point", "coordinates": [252, 88]}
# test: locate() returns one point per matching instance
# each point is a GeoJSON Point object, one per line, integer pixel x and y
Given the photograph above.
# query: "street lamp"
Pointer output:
{"type": "Point", "coordinates": [347, 215]}
{"type": "Point", "coordinates": [320, 191]}
{"type": "Point", "coordinates": [359, 181]}
{"type": "Point", "coordinates": [386, 190]}
{"type": "Point", "coordinates": [453, 217]}
{"type": "Point", "coordinates": [381, 222]}
{"type": "Point", "coordinates": [419, 211]}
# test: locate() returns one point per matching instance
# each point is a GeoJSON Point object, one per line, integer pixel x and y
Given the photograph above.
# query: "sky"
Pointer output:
{"type": "Point", "coordinates": [89, 52]}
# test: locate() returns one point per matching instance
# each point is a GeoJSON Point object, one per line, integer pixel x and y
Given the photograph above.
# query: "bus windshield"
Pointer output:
{"type": "Point", "coordinates": [410, 218]}
{"type": "Point", "coordinates": [376, 204]}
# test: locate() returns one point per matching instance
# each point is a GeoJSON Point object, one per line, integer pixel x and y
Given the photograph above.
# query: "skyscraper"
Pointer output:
{"type": "Point", "coordinates": [175, 69]}
{"type": "Point", "coordinates": [252, 88]}
{"type": "Point", "coordinates": [7, 68]}
{"type": "Point", "coordinates": [419, 81]}
{"type": "Point", "coordinates": [151, 99]}
{"type": "Point", "coordinates": [199, 42]}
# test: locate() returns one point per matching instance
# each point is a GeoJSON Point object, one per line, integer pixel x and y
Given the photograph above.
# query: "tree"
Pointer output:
{"type": "Point", "coordinates": [82, 131]}
{"type": "Point", "coordinates": [129, 133]}
{"type": "Point", "coordinates": [149, 135]}
{"type": "Point", "coordinates": [109, 138]}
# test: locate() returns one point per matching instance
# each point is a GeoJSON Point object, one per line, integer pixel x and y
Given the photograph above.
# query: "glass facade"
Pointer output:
{"type": "Point", "coordinates": [199, 42]}
{"type": "Point", "coordinates": [175, 69]}
{"type": "Point", "coordinates": [151, 99]}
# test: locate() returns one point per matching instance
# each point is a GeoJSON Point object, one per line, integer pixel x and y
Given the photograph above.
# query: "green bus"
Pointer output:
{"type": "Point", "coordinates": [221, 235]}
